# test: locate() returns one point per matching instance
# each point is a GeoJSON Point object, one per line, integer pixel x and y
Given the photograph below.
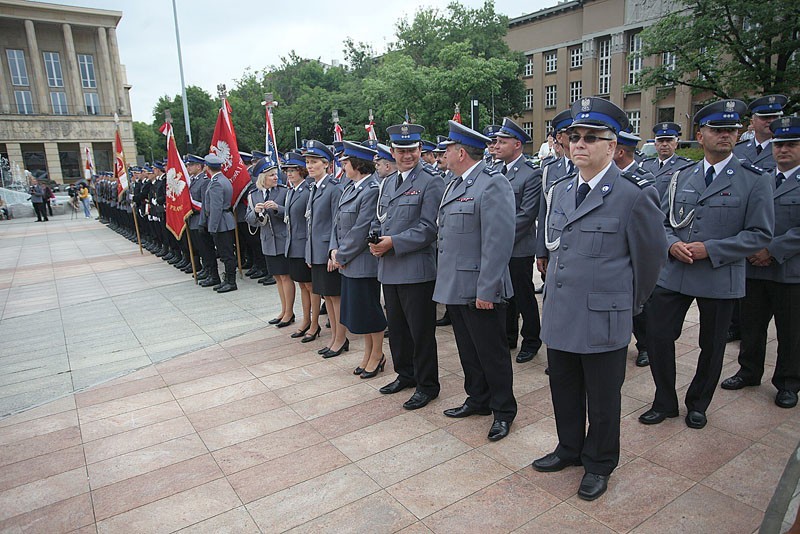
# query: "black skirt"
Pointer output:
{"type": "Point", "coordinates": [278, 264]}
{"type": "Point", "coordinates": [361, 311]}
{"type": "Point", "coordinates": [325, 283]}
{"type": "Point", "coordinates": [298, 270]}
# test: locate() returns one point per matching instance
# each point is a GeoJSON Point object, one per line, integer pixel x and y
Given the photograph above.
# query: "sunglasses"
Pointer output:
{"type": "Point", "coordinates": [590, 139]}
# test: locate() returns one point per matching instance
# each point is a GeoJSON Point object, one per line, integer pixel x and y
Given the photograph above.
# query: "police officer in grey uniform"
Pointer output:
{"type": "Point", "coordinates": [526, 181]}
{"type": "Point", "coordinates": [718, 212]}
{"type": "Point", "coordinates": [757, 151]}
{"type": "Point", "coordinates": [607, 246]}
{"type": "Point", "coordinates": [476, 239]}
{"type": "Point", "coordinates": [664, 165]}
{"type": "Point", "coordinates": [198, 182]}
{"type": "Point", "coordinates": [773, 278]}
{"type": "Point", "coordinates": [220, 220]}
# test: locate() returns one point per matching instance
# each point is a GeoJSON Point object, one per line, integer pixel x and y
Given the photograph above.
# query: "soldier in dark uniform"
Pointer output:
{"type": "Point", "coordinates": [664, 165]}
{"type": "Point", "coordinates": [491, 132]}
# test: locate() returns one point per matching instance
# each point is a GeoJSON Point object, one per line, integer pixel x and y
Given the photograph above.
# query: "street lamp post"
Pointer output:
{"type": "Point", "coordinates": [296, 132]}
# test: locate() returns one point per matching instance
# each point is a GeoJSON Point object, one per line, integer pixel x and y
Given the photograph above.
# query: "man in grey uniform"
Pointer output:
{"type": "Point", "coordinates": [201, 240]}
{"type": "Point", "coordinates": [718, 212]}
{"type": "Point", "coordinates": [607, 246]}
{"type": "Point", "coordinates": [664, 165]}
{"type": "Point", "coordinates": [220, 221]}
{"type": "Point", "coordinates": [757, 151]}
{"type": "Point", "coordinates": [476, 238]}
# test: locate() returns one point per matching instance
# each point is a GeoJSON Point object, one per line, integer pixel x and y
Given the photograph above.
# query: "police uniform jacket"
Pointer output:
{"type": "Point", "coordinates": [785, 245]}
{"type": "Point", "coordinates": [551, 173]}
{"type": "Point", "coordinates": [217, 204]}
{"type": "Point", "coordinates": [273, 227]}
{"type": "Point", "coordinates": [476, 239]}
{"type": "Point", "coordinates": [410, 219]}
{"type": "Point", "coordinates": [526, 182]}
{"type": "Point", "coordinates": [733, 217]}
{"type": "Point", "coordinates": [295, 217]}
{"type": "Point", "coordinates": [322, 202]}
{"type": "Point", "coordinates": [161, 196]}
{"type": "Point", "coordinates": [637, 174]}
{"type": "Point", "coordinates": [197, 190]}
{"type": "Point", "coordinates": [351, 226]}
{"type": "Point", "coordinates": [746, 152]}
{"type": "Point", "coordinates": [663, 174]}
{"type": "Point", "coordinates": [605, 265]}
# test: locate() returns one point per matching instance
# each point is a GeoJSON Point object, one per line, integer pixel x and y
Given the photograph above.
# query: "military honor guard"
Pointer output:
{"type": "Point", "coordinates": [384, 162]}
{"type": "Point", "coordinates": [718, 212]}
{"type": "Point", "coordinates": [773, 278]}
{"type": "Point", "coordinates": [757, 151]}
{"type": "Point", "coordinates": [666, 162]}
{"type": "Point", "coordinates": [607, 245]}
{"type": "Point", "coordinates": [476, 238]}
{"type": "Point", "coordinates": [201, 240]}
{"type": "Point", "coordinates": [220, 221]}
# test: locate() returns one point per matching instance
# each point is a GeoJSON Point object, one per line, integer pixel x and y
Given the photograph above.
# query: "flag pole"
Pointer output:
{"type": "Point", "coordinates": [133, 205]}
{"type": "Point", "coordinates": [191, 253]}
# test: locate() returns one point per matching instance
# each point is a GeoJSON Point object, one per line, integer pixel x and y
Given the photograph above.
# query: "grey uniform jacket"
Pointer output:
{"type": "Point", "coordinates": [551, 173]}
{"type": "Point", "coordinates": [410, 212]}
{"type": "Point", "coordinates": [322, 202]}
{"type": "Point", "coordinates": [351, 226]}
{"type": "Point", "coordinates": [734, 218]}
{"type": "Point", "coordinates": [271, 222]}
{"type": "Point", "coordinates": [526, 182]}
{"type": "Point", "coordinates": [476, 238]}
{"type": "Point", "coordinates": [663, 174]}
{"type": "Point", "coordinates": [197, 190]}
{"type": "Point", "coordinates": [217, 204]}
{"type": "Point", "coordinates": [295, 217]}
{"type": "Point", "coordinates": [746, 152]}
{"type": "Point", "coordinates": [785, 245]}
{"type": "Point", "coordinates": [605, 265]}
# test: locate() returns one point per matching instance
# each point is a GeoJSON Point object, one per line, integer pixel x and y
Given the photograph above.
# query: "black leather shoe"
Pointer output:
{"type": "Point", "coordinates": [465, 410]}
{"type": "Point", "coordinates": [284, 324]}
{"type": "Point", "coordinates": [695, 419]}
{"type": "Point", "coordinates": [418, 400]}
{"type": "Point", "coordinates": [592, 486]}
{"type": "Point", "coordinates": [525, 356]}
{"type": "Point", "coordinates": [736, 382]}
{"type": "Point", "coordinates": [551, 463]}
{"type": "Point", "coordinates": [733, 335]}
{"type": "Point", "coordinates": [786, 398]}
{"type": "Point", "coordinates": [653, 417]}
{"type": "Point", "coordinates": [268, 281]}
{"type": "Point", "coordinates": [394, 387]}
{"type": "Point", "coordinates": [499, 430]}
{"type": "Point", "coordinates": [444, 321]}
{"type": "Point", "coordinates": [642, 359]}
{"type": "Point", "coordinates": [210, 282]}
{"type": "Point", "coordinates": [276, 320]}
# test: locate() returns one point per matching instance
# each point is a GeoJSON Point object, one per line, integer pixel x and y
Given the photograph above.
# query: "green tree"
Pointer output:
{"type": "Point", "coordinates": [148, 141]}
{"type": "Point", "coordinates": [202, 117]}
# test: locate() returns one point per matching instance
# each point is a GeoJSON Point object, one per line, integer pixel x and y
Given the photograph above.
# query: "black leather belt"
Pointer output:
{"type": "Point", "coordinates": [229, 210]}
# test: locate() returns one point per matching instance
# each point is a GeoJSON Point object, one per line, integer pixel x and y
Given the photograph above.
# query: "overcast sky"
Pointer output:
{"type": "Point", "coordinates": [220, 39]}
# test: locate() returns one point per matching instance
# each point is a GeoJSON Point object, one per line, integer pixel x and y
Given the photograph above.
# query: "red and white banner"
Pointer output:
{"type": "Point", "coordinates": [179, 202]}
{"type": "Point", "coordinates": [88, 171]}
{"type": "Point", "coordinates": [224, 145]}
{"type": "Point", "coordinates": [120, 169]}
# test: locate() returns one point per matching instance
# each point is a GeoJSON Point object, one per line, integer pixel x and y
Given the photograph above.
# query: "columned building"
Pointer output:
{"type": "Point", "coordinates": [61, 84]}
{"type": "Point", "coordinates": [586, 48]}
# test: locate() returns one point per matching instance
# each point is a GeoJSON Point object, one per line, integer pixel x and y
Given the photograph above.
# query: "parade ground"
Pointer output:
{"type": "Point", "coordinates": [134, 401]}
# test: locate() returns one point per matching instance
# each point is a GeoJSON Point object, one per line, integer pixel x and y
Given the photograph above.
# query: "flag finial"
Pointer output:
{"type": "Point", "coordinates": [168, 116]}
{"type": "Point", "coordinates": [222, 91]}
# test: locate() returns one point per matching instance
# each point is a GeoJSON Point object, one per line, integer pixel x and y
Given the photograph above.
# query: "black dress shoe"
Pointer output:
{"type": "Point", "coordinates": [736, 382]}
{"type": "Point", "coordinates": [525, 356]}
{"type": "Point", "coordinates": [653, 417]}
{"type": "Point", "coordinates": [592, 486]}
{"type": "Point", "coordinates": [308, 338]}
{"type": "Point", "coordinates": [733, 335]}
{"type": "Point", "coordinates": [329, 353]}
{"type": "Point", "coordinates": [300, 333]}
{"type": "Point", "coordinates": [284, 324]}
{"type": "Point", "coordinates": [276, 320]}
{"type": "Point", "coordinates": [786, 398]}
{"type": "Point", "coordinates": [642, 359]}
{"type": "Point", "coordinates": [465, 410]}
{"type": "Point", "coordinates": [695, 419]}
{"type": "Point", "coordinates": [374, 372]}
{"type": "Point", "coordinates": [418, 400]}
{"type": "Point", "coordinates": [444, 321]}
{"type": "Point", "coordinates": [552, 463]}
{"type": "Point", "coordinates": [268, 281]}
{"type": "Point", "coordinates": [499, 430]}
{"type": "Point", "coordinates": [394, 387]}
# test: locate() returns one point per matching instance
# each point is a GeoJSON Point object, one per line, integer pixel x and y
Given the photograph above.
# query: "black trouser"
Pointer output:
{"type": "Point", "coordinates": [224, 241]}
{"type": "Point", "coordinates": [483, 351]}
{"type": "Point", "coordinates": [581, 383]}
{"type": "Point", "coordinates": [411, 318]}
{"type": "Point", "coordinates": [39, 210]}
{"type": "Point", "coordinates": [640, 329]}
{"type": "Point", "coordinates": [208, 252]}
{"type": "Point", "coordinates": [523, 302]}
{"type": "Point", "coordinates": [49, 208]}
{"type": "Point", "coordinates": [667, 310]}
{"type": "Point", "coordinates": [766, 299]}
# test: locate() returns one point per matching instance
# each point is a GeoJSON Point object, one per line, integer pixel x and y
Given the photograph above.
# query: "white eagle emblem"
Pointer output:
{"type": "Point", "coordinates": [175, 184]}
{"type": "Point", "coordinates": [730, 105]}
{"type": "Point", "coordinates": [223, 150]}
{"type": "Point", "coordinates": [586, 104]}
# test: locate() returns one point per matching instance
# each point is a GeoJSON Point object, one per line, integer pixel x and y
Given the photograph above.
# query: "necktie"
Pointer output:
{"type": "Point", "coordinates": [399, 179]}
{"type": "Point", "coordinates": [570, 167]}
{"type": "Point", "coordinates": [779, 178]}
{"type": "Point", "coordinates": [759, 148]}
{"type": "Point", "coordinates": [583, 190]}
{"type": "Point", "coordinates": [660, 164]}
{"type": "Point", "coordinates": [709, 176]}
{"type": "Point", "coordinates": [505, 169]}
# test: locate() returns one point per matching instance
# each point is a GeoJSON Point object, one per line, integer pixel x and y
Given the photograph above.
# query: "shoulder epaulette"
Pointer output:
{"type": "Point", "coordinates": [642, 172]}
{"type": "Point", "coordinates": [651, 158]}
{"type": "Point", "coordinates": [530, 164]}
{"type": "Point", "coordinates": [750, 167]}
{"type": "Point", "coordinates": [281, 185]}
{"type": "Point", "coordinates": [684, 158]}
{"type": "Point", "coordinates": [490, 171]}
{"type": "Point", "coordinates": [336, 181]}
{"type": "Point", "coordinates": [374, 184]}
{"type": "Point", "coordinates": [631, 177]}
{"type": "Point", "coordinates": [743, 141]}
{"type": "Point", "coordinates": [551, 162]}
{"type": "Point", "coordinates": [690, 164]}
{"type": "Point", "coordinates": [562, 179]}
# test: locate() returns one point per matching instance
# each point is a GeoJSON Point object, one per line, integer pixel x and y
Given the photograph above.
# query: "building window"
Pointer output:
{"type": "Point", "coordinates": [604, 67]}
{"type": "Point", "coordinates": [529, 99]}
{"type": "Point", "coordinates": [52, 64]}
{"type": "Point", "coordinates": [527, 127]}
{"type": "Point", "coordinates": [528, 65]}
{"type": "Point", "coordinates": [576, 58]}
{"type": "Point", "coordinates": [548, 127]}
{"type": "Point", "coordinates": [550, 62]}
{"type": "Point", "coordinates": [575, 91]}
{"type": "Point", "coordinates": [17, 68]}
{"type": "Point", "coordinates": [58, 99]}
{"type": "Point", "coordinates": [549, 96]}
{"type": "Point", "coordinates": [92, 102]}
{"type": "Point", "coordinates": [634, 118]}
{"type": "Point", "coordinates": [24, 102]}
{"type": "Point", "coordinates": [86, 66]}
{"type": "Point", "coordinates": [634, 59]}
{"type": "Point", "coordinates": [666, 115]}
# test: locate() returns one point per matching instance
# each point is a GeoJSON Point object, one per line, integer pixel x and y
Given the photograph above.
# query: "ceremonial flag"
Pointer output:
{"type": "Point", "coordinates": [338, 171]}
{"type": "Point", "coordinates": [179, 201]}
{"type": "Point", "coordinates": [120, 169]}
{"type": "Point", "coordinates": [271, 148]}
{"type": "Point", "coordinates": [89, 171]}
{"type": "Point", "coordinates": [408, 118]}
{"type": "Point", "coordinates": [224, 145]}
{"type": "Point", "coordinates": [457, 115]}
{"type": "Point", "coordinates": [370, 128]}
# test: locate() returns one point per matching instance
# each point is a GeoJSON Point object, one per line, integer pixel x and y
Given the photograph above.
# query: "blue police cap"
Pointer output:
{"type": "Point", "coordinates": [338, 147]}
{"type": "Point", "coordinates": [192, 158]}
{"type": "Point", "coordinates": [214, 161]}
{"type": "Point", "coordinates": [491, 131]}
{"type": "Point", "coordinates": [627, 139]}
{"type": "Point", "coordinates": [158, 165]}
{"type": "Point", "coordinates": [427, 146]}
{"type": "Point", "coordinates": [384, 152]}
{"type": "Point", "coordinates": [462, 135]}
{"type": "Point", "coordinates": [147, 168]}
{"type": "Point", "coordinates": [562, 121]}
{"type": "Point", "coordinates": [317, 149]}
{"type": "Point", "coordinates": [598, 113]}
{"type": "Point", "coordinates": [356, 150]}
{"type": "Point", "coordinates": [263, 165]}
{"type": "Point", "coordinates": [257, 154]}
{"type": "Point", "coordinates": [768, 105]}
{"type": "Point", "coordinates": [370, 143]}
{"type": "Point", "coordinates": [785, 129]}
{"type": "Point", "coordinates": [510, 128]}
{"type": "Point", "coordinates": [721, 114]}
{"type": "Point", "coordinates": [247, 157]}
{"type": "Point", "coordinates": [405, 135]}
{"type": "Point", "coordinates": [440, 146]}
{"type": "Point", "coordinates": [667, 129]}
{"type": "Point", "coordinates": [293, 159]}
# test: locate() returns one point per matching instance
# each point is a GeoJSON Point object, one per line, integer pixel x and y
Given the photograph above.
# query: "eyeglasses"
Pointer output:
{"type": "Point", "coordinates": [590, 139]}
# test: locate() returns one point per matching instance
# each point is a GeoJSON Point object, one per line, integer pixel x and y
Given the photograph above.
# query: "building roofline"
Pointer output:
{"type": "Point", "coordinates": [58, 13]}
{"type": "Point", "coordinates": [547, 12]}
